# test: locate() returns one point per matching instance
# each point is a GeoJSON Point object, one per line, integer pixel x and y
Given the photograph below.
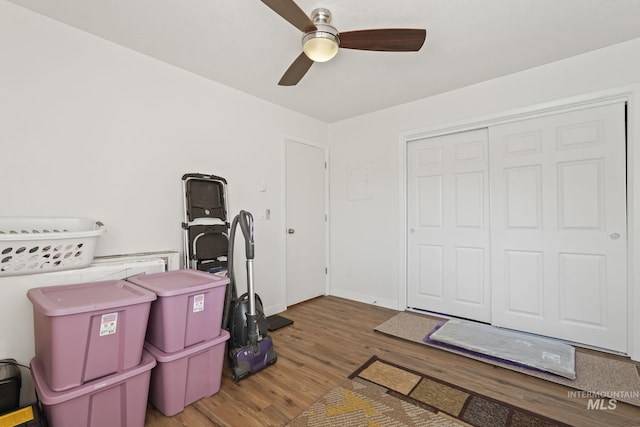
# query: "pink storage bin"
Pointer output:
{"type": "Point", "coordinates": [118, 400]}
{"type": "Point", "coordinates": [188, 309]}
{"type": "Point", "coordinates": [89, 330]}
{"type": "Point", "coordinates": [182, 378]}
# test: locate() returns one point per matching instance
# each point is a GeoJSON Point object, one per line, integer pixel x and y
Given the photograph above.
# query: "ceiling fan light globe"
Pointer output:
{"type": "Point", "coordinates": [320, 46]}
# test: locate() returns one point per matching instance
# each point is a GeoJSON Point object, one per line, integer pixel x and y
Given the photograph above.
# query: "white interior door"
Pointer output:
{"type": "Point", "coordinates": [306, 221]}
{"type": "Point", "coordinates": [558, 221]}
{"type": "Point", "coordinates": [448, 225]}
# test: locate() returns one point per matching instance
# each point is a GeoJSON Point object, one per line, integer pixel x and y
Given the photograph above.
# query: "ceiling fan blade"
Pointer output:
{"type": "Point", "coordinates": [292, 13]}
{"type": "Point", "coordinates": [296, 71]}
{"type": "Point", "coordinates": [385, 39]}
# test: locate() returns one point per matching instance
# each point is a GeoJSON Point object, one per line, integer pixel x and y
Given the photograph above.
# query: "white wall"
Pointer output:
{"type": "Point", "coordinates": [365, 236]}
{"type": "Point", "coordinates": [88, 128]}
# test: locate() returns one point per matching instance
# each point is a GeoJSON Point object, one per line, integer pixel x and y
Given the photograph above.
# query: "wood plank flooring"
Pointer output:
{"type": "Point", "coordinates": [330, 338]}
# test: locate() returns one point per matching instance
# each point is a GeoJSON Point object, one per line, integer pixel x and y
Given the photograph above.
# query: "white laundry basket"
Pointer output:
{"type": "Point", "coordinates": [38, 245]}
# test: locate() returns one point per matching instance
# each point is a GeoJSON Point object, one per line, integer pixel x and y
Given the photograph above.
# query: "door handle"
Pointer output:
{"type": "Point", "coordinates": [291, 231]}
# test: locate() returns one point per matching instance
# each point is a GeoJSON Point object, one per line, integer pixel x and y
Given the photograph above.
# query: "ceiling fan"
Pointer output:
{"type": "Point", "coordinates": [321, 41]}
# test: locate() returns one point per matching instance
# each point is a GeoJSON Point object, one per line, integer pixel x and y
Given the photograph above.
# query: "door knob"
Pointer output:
{"type": "Point", "coordinates": [615, 236]}
{"type": "Point", "coordinates": [291, 231]}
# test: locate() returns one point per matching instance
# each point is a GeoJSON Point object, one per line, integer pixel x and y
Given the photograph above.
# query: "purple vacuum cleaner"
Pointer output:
{"type": "Point", "coordinates": [250, 347]}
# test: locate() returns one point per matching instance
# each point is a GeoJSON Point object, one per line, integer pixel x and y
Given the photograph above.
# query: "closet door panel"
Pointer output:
{"type": "Point", "coordinates": [448, 225]}
{"type": "Point", "coordinates": [523, 202]}
{"type": "Point", "coordinates": [523, 283]}
{"type": "Point", "coordinates": [430, 274]}
{"type": "Point", "coordinates": [580, 195]}
{"type": "Point", "coordinates": [558, 226]}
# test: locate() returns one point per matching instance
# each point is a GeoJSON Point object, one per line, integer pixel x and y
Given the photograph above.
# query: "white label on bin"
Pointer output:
{"type": "Point", "coordinates": [108, 324]}
{"type": "Point", "coordinates": [198, 303]}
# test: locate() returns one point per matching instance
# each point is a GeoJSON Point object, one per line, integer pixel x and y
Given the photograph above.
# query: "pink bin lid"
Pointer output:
{"type": "Point", "coordinates": [177, 282]}
{"type": "Point", "coordinates": [86, 297]}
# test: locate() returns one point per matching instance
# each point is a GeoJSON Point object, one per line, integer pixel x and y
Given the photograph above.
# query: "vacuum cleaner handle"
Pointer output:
{"type": "Point", "coordinates": [246, 225]}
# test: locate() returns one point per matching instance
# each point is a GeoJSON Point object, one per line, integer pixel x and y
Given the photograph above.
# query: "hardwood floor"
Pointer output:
{"type": "Point", "coordinates": [330, 338]}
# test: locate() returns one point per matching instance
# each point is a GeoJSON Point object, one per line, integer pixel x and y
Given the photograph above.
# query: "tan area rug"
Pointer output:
{"type": "Point", "coordinates": [353, 403]}
{"type": "Point", "coordinates": [594, 374]}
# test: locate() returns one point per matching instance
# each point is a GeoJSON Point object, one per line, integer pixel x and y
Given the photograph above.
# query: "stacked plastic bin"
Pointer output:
{"type": "Point", "coordinates": [185, 337]}
{"type": "Point", "coordinates": [90, 369]}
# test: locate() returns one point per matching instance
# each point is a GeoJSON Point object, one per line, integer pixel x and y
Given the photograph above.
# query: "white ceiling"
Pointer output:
{"type": "Point", "coordinates": [245, 45]}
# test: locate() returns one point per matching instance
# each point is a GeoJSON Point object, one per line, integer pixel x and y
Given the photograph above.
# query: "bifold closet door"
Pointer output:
{"type": "Point", "coordinates": [558, 226]}
{"type": "Point", "coordinates": [448, 225]}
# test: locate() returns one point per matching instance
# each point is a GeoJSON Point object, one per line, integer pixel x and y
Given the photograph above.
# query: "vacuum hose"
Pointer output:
{"type": "Point", "coordinates": [245, 219]}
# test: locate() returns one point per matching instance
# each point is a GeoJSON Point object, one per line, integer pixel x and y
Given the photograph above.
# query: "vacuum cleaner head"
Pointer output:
{"type": "Point", "coordinates": [248, 360]}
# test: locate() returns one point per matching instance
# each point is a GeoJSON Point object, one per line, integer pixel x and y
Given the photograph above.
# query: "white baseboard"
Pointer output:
{"type": "Point", "coordinates": [367, 299]}
{"type": "Point", "coordinates": [274, 309]}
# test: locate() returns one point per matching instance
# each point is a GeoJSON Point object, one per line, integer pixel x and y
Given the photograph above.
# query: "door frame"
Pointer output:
{"type": "Point", "coordinates": [283, 224]}
{"type": "Point", "coordinates": [629, 94]}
